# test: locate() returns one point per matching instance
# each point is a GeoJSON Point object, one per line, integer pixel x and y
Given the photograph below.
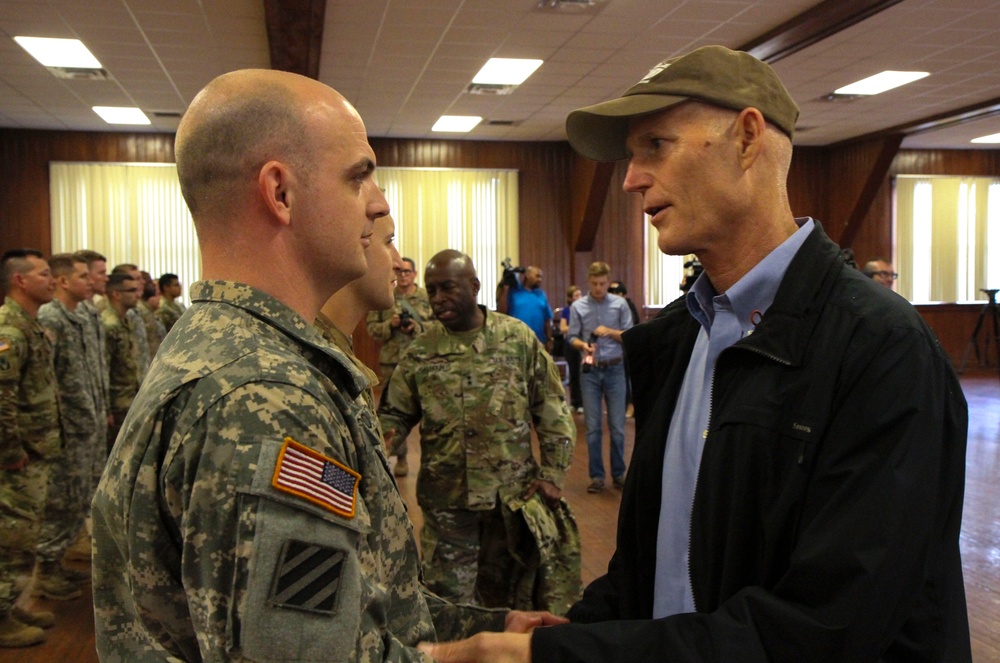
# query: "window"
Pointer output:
{"type": "Point", "coordinates": [130, 213]}
{"type": "Point", "coordinates": [945, 228]}
{"type": "Point", "coordinates": [663, 273]}
{"type": "Point", "coordinates": [473, 211]}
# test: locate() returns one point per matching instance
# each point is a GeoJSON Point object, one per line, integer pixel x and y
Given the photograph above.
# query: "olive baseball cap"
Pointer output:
{"type": "Point", "coordinates": [711, 74]}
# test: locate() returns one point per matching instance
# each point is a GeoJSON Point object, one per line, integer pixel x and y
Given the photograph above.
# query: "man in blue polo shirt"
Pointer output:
{"type": "Point", "coordinates": [527, 302]}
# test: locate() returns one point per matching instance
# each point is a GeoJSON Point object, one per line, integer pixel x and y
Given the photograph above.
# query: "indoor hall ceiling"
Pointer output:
{"type": "Point", "coordinates": [404, 63]}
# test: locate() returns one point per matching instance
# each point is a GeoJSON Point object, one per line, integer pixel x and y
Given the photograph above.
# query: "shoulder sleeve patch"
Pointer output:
{"type": "Point", "coordinates": [315, 478]}
{"type": "Point", "coordinates": [307, 577]}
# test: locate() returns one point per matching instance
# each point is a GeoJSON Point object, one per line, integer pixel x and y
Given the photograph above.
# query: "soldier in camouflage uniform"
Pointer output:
{"type": "Point", "coordinates": [147, 306]}
{"type": "Point", "coordinates": [247, 512]}
{"type": "Point", "coordinates": [29, 435]}
{"type": "Point", "coordinates": [171, 309]}
{"type": "Point", "coordinates": [396, 328]}
{"type": "Point", "coordinates": [97, 362]}
{"type": "Point", "coordinates": [136, 322]}
{"type": "Point", "coordinates": [123, 355]}
{"type": "Point", "coordinates": [70, 490]}
{"type": "Point", "coordinates": [476, 385]}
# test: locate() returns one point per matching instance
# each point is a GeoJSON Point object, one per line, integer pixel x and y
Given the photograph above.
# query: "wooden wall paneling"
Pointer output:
{"type": "Point", "coordinates": [856, 172]}
{"type": "Point", "coordinates": [953, 325]}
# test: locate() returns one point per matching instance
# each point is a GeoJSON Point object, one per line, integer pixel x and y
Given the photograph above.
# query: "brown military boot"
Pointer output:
{"type": "Point", "coordinates": [15, 634]}
{"type": "Point", "coordinates": [74, 575]}
{"type": "Point", "coordinates": [402, 467]}
{"type": "Point", "coordinates": [50, 583]}
{"type": "Point", "coordinates": [39, 618]}
{"type": "Point", "coordinates": [80, 550]}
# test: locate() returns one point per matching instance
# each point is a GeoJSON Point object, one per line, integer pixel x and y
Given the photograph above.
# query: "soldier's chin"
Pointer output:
{"type": "Point", "coordinates": [446, 317]}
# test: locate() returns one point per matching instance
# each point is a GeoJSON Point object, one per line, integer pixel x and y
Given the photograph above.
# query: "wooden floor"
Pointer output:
{"type": "Point", "coordinates": [72, 639]}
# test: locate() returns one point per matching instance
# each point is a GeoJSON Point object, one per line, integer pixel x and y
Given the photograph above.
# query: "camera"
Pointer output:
{"type": "Point", "coordinates": [510, 273]}
{"type": "Point", "coordinates": [692, 270]}
{"type": "Point", "coordinates": [405, 319]}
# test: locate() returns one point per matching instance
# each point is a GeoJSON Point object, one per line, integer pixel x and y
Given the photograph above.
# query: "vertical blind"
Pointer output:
{"type": "Point", "coordinates": [947, 237]}
{"type": "Point", "coordinates": [663, 273]}
{"type": "Point", "coordinates": [130, 213]}
{"type": "Point", "coordinates": [471, 210]}
{"type": "Point", "coordinates": [135, 213]}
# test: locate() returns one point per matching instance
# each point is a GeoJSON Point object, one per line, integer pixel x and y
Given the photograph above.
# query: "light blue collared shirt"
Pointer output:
{"type": "Point", "coordinates": [587, 314]}
{"type": "Point", "coordinates": [724, 319]}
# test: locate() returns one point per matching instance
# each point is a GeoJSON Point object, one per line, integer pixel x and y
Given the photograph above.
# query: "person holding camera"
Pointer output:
{"type": "Point", "coordinates": [601, 318]}
{"type": "Point", "coordinates": [520, 296]}
{"type": "Point", "coordinates": [396, 328]}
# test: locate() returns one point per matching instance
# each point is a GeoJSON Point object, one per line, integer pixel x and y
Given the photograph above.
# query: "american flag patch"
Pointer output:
{"type": "Point", "coordinates": [4, 346]}
{"type": "Point", "coordinates": [316, 478]}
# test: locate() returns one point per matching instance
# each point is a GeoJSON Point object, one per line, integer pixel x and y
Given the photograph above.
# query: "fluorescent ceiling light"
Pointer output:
{"type": "Point", "coordinates": [121, 115]}
{"type": "Point", "coordinates": [456, 123]}
{"type": "Point", "coordinates": [879, 83]}
{"type": "Point", "coordinates": [59, 52]}
{"type": "Point", "coordinates": [506, 71]}
{"type": "Point", "coordinates": [992, 138]}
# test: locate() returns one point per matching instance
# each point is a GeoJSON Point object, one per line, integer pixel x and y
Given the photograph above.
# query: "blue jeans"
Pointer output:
{"type": "Point", "coordinates": [609, 381]}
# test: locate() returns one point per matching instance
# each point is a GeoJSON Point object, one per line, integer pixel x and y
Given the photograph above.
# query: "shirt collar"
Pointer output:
{"type": "Point", "coordinates": [751, 296]}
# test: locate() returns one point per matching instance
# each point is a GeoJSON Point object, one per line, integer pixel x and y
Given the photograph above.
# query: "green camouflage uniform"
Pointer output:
{"type": "Point", "coordinates": [97, 359]}
{"type": "Point", "coordinates": [169, 312]}
{"type": "Point", "coordinates": [141, 340]}
{"type": "Point", "coordinates": [154, 328]}
{"type": "Point", "coordinates": [476, 396]}
{"type": "Point", "coordinates": [29, 424]}
{"type": "Point", "coordinates": [202, 553]}
{"type": "Point", "coordinates": [70, 479]}
{"type": "Point", "coordinates": [393, 340]}
{"type": "Point", "coordinates": [124, 374]}
{"type": "Point", "coordinates": [342, 341]}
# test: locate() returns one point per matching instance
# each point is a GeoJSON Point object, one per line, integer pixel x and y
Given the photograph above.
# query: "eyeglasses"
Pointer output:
{"type": "Point", "coordinates": [404, 271]}
{"type": "Point", "coordinates": [885, 274]}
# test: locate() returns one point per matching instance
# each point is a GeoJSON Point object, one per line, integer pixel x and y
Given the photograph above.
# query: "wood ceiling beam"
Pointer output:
{"type": "Point", "coordinates": [295, 34]}
{"type": "Point", "coordinates": [813, 25]}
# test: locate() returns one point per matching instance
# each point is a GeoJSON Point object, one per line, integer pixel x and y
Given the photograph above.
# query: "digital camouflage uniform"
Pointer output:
{"type": "Point", "coordinates": [342, 341]}
{"type": "Point", "coordinates": [169, 312]}
{"type": "Point", "coordinates": [29, 424]}
{"type": "Point", "coordinates": [97, 360]}
{"type": "Point", "coordinates": [124, 374]}
{"type": "Point", "coordinates": [476, 396]}
{"type": "Point", "coordinates": [202, 553]}
{"type": "Point", "coordinates": [393, 340]}
{"type": "Point", "coordinates": [70, 483]}
{"type": "Point", "coordinates": [155, 330]}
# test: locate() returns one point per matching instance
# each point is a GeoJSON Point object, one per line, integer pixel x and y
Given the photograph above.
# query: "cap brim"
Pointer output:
{"type": "Point", "coordinates": [598, 132]}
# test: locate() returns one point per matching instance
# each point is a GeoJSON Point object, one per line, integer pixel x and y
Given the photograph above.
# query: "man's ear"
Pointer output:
{"type": "Point", "coordinates": [750, 128]}
{"type": "Point", "coordinates": [275, 185]}
{"type": "Point", "coordinates": [475, 285]}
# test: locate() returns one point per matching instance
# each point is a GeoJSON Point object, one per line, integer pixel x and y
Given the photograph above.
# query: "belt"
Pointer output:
{"type": "Point", "coordinates": [610, 362]}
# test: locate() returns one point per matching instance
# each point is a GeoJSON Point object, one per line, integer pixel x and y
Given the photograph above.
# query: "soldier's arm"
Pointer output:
{"type": "Point", "coordinates": [272, 573]}
{"type": "Point", "coordinates": [454, 621]}
{"type": "Point", "coordinates": [379, 324]}
{"type": "Point", "coordinates": [13, 350]}
{"type": "Point", "coordinates": [399, 410]}
{"type": "Point", "coordinates": [550, 414]}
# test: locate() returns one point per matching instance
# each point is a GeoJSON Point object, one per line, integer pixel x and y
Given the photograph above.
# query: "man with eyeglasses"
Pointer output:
{"type": "Point", "coordinates": [396, 328]}
{"type": "Point", "coordinates": [880, 271]}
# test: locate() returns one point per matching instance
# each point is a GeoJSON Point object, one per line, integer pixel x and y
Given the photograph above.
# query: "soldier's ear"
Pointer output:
{"type": "Point", "coordinates": [475, 285]}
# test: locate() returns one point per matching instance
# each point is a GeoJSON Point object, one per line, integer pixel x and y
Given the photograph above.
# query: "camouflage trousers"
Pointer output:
{"type": "Point", "coordinates": [98, 458]}
{"type": "Point", "coordinates": [22, 505]}
{"type": "Point", "coordinates": [67, 498]}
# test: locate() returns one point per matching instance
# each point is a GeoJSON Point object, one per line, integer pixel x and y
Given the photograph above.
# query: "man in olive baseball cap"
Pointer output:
{"type": "Point", "coordinates": [712, 74]}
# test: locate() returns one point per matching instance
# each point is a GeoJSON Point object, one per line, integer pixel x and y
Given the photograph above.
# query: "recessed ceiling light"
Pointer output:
{"type": "Point", "coordinates": [121, 115]}
{"type": "Point", "coordinates": [506, 71]}
{"type": "Point", "coordinates": [456, 123]}
{"type": "Point", "coordinates": [59, 52]}
{"type": "Point", "coordinates": [879, 83]}
{"type": "Point", "coordinates": [992, 138]}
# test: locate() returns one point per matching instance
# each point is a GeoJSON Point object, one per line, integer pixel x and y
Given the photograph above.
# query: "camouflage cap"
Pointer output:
{"type": "Point", "coordinates": [711, 74]}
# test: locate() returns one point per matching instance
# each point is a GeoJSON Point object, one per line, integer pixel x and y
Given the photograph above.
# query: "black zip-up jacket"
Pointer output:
{"type": "Point", "coordinates": [828, 505]}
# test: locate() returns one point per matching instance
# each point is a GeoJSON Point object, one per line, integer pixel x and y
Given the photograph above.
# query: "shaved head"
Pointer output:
{"type": "Point", "coordinates": [239, 122]}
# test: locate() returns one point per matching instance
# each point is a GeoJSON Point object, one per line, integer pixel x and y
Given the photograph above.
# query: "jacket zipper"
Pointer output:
{"type": "Point", "coordinates": [708, 427]}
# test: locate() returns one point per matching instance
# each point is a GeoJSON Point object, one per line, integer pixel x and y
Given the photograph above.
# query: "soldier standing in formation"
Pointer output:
{"type": "Point", "coordinates": [147, 306]}
{"type": "Point", "coordinates": [396, 328]}
{"type": "Point", "coordinates": [171, 309]}
{"type": "Point", "coordinates": [29, 435]}
{"type": "Point", "coordinates": [474, 383]}
{"type": "Point", "coordinates": [70, 481]}
{"type": "Point", "coordinates": [123, 355]}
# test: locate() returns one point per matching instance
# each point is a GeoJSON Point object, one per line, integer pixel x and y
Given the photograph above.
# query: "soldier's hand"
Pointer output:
{"type": "Point", "coordinates": [394, 320]}
{"type": "Point", "coordinates": [482, 648]}
{"type": "Point", "coordinates": [549, 492]}
{"type": "Point", "coordinates": [520, 621]}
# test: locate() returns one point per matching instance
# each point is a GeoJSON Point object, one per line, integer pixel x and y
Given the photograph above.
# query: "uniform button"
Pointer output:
{"type": "Point", "coordinates": [470, 433]}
